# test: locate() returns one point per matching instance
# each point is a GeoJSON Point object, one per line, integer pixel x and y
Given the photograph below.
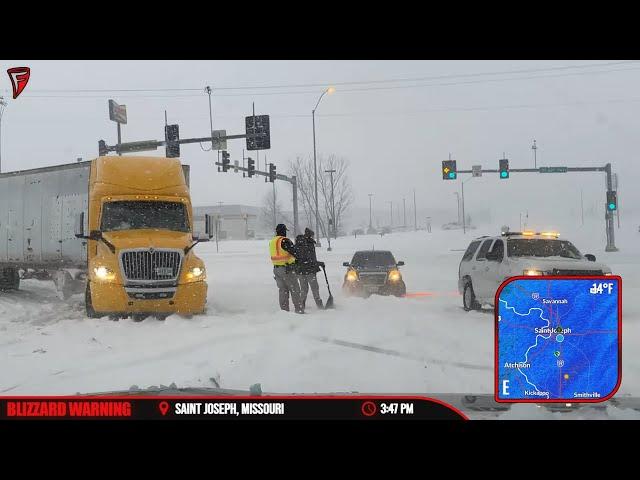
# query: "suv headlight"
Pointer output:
{"type": "Point", "coordinates": [531, 272]}
{"type": "Point", "coordinates": [394, 276]}
{"type": "Point", "coordinates": [103, 273]}
{"type": "Point", "coordinates": [195, 274]}
{"type": "Point", "coordinates": [352, 276]}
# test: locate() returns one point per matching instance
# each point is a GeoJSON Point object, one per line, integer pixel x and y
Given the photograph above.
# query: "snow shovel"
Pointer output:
{"type": "Point", "coordinates": [329, 303]}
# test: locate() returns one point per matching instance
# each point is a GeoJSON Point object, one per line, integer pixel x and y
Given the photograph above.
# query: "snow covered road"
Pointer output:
{"type": "Point", "coordinates": [381, 344]}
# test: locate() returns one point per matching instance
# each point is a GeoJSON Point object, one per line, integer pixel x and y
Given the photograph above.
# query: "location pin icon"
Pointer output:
{"type": "Point", "coordinates": [164, 407]}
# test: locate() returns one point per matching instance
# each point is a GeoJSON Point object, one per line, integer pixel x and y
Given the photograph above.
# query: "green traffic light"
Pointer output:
{"type": "Point", "coordinates": [452, 174]}
{"type": "Point", "coordinates": [504, 174]}
{"type": "Point", "coordinates": [612, 206]}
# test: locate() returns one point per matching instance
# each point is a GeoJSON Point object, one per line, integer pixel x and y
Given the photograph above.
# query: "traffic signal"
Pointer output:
{"type": "Point", "coordinates": [272, 172]}
{"type": "Point", "coordinates": [449, 170]}
{"type": "Point", "coordinates": [225, 160]}
{"type": "Point", "coordinates": [258, 125]}
{"type": "Point", "coordinates": [504, 168]}
{"type": "Point", "coordinates": [102, 148]}
{"type": "Point", "coordinates": [171, 136]}
{"type": "Point", "coordinates": [612, 200]}
{"type": "Point", "coordinates": [251, 167]}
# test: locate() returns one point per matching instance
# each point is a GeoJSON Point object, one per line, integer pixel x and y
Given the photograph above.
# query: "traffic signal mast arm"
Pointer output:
{"type": "Point", "coordinates": [257, 172]}
{"type": "Point", "coordinates": [537, 170]}
{"type": "Point", "coordinates": [154, 144]}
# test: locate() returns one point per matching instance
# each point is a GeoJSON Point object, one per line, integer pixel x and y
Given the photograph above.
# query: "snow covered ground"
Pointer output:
{"type": "Point", "coordinates": [426, 344]}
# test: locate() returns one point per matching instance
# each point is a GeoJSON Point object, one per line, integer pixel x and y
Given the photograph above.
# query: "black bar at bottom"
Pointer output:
{"type": "Point", "coordinates": [229, 408]}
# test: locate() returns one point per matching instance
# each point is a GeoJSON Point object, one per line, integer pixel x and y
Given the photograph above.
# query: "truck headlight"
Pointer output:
{"type": "Point", "coordinates": [196, 273]}
{"type": "Point", "coordinates": [532, 273]}
{"type": "Point", "coordinates": [394, 276]}
{"type": "Point", "coordinates": [104, 273]}
{"type": "Point", "coordinates": [352, 276]}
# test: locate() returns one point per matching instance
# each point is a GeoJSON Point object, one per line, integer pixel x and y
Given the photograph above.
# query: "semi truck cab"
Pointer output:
{"type": "Point", "coordinates": [139, 233]}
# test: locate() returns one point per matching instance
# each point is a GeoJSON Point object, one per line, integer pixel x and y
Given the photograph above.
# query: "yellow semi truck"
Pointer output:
{"type": "Point", "coordinates": [119, 229]}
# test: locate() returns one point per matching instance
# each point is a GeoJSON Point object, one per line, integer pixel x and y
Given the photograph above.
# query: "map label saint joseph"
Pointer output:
{"type": "Point", "coordinates": [558, 339]}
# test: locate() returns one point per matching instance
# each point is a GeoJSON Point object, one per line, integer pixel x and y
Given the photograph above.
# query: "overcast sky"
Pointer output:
{"type": "Point", "coordinates": [395, 138]}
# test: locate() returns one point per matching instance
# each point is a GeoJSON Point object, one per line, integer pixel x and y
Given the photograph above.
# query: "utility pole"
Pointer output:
{"type": "Point", "coordinates": [3, 104]}
{"type": "Point", "coordinates": [370, 223]}
{"type": "Point", "coordinates": [275, 217]}
{"type": "Point", "coordinates": [458, 198]}
{"type": "Point", "coordinates": [218, 223]}
{"type": "Point", "coordinates": [391, 211]}
{"type": "Point", "coordinates": [582, 207]}
{"type": "Point", "coordinates": [208, 90]}
{"type": "Point", "coordinates": [404, 213]}
{"type": "Point", "coordinates": [415, 214]}
{"type": "Point", "coordinates": [464, 222]}
{"type": "Point", "coordinates": [333, 205]}
{"type": "Point", "coordinates": [535, 158]}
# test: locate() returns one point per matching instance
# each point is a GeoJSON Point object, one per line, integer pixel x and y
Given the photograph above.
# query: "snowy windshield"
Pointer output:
{"type": "Point", "coordinates": [534, 247]}
{"type": "Point", "coordinates": [134, 215]}
{"type": "Point", "coordinates": [373, 259]}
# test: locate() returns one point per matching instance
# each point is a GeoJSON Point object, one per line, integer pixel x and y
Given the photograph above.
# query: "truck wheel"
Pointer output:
{"type": "Point", "coordinates": [9, 279]}
{"type": "Point", "coordinates": [138, 317]}
{"type": "Point", "coordinates": [469, 301]}
{"type": "Point", "coordinates": [88, 305]}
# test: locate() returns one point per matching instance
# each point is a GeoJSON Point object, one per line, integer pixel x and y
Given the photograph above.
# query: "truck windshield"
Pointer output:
{"type": "Point", "coordinates": [134, 215]}
{"type": "Point", "coordinates": [373, 259]}
{"type": "Point", "coordinates": [534, 247]}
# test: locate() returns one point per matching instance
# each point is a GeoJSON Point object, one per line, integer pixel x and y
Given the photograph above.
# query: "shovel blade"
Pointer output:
{"type": "Point", "coordinates": [329, 303]}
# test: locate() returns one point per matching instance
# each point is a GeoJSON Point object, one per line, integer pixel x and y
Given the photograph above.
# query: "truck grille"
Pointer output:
{"type": "Point", "coordinates": [147, 265]}
{"type": "Point", "coordinates": [557, 271]}
{"type": "Point", "coordinates": [373, 278]}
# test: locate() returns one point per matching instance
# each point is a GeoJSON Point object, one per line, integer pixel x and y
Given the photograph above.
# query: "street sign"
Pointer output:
{"type": "Point", "coordinates": [219, 142]}
{"type": "Point", "coordinates": [552, 170]}
{"type": "Point", "coordinates": [258, 125]}
{"type": "Point", "coordinates": [138, 146]}
{"type": "Point", "coordinates": [476, 170]}
{"type": "Point", "coordinates": [171, 137]}
{"type": "Point", "coordinates": [117, 113]}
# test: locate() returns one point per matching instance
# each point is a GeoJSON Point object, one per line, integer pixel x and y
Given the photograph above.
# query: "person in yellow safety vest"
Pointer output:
{"type": "Point", "coordinates": [282, 251]}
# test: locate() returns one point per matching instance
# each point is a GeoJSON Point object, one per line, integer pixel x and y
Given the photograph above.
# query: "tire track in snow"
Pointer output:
{"type": "Point", "coordinates": [395, 353]}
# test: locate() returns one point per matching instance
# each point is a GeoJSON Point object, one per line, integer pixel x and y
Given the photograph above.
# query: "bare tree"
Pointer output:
{"type": "Point", "coordinates": [342, 189]}
{"type": "Point", "coordinates": [272, 212]}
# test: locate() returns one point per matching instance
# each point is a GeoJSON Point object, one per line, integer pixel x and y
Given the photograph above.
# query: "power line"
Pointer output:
{"type": "Point", "coordinates": [364, 82]}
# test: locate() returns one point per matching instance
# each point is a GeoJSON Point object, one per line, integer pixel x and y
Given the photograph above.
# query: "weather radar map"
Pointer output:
{"type": "Point", "coordinates": [558, 339]}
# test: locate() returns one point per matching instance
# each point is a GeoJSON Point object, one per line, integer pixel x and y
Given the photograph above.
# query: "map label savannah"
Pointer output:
{"type": "Point", "coordinates": [558, 339]}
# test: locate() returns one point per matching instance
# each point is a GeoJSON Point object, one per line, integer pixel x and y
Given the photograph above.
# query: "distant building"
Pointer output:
{"type": "Point", "coordinates": [236, 222]}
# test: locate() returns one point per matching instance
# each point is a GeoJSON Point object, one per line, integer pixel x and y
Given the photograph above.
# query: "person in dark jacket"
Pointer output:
{"type": "Point", "coordinates": [307, 266]}
{"type": "Point", "coordinates": [283, 256]}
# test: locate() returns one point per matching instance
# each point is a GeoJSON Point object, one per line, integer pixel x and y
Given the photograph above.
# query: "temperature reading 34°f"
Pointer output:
{"type": "Point", "coordinates": [599, 288]}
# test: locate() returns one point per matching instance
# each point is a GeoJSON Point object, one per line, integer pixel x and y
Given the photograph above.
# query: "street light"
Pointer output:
{"type": "Point", "coordinates": [2, 105]}
{"type": "Point", "coordinates": [329, 90]}
{"type": "Point", "coordinates": [370, 223]}
{"type": "Point", "coordinates": [464, 221]}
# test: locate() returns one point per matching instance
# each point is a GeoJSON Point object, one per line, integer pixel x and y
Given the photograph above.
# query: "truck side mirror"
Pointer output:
{"type": "Point", "coordinates": [208, 225]}
{"type": "Point", "coordinates": [79, 225]}
{"type": "Point", "coordinates": [400, 263]}
{"type": "Point", "coordinates": [590, 257]}
{"type": "Point", "coordinates": [201, 237]}
{"type": "Point", "coordinates": [346, 264]}
{"type": "Point", "coordinates": [95, 235]}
